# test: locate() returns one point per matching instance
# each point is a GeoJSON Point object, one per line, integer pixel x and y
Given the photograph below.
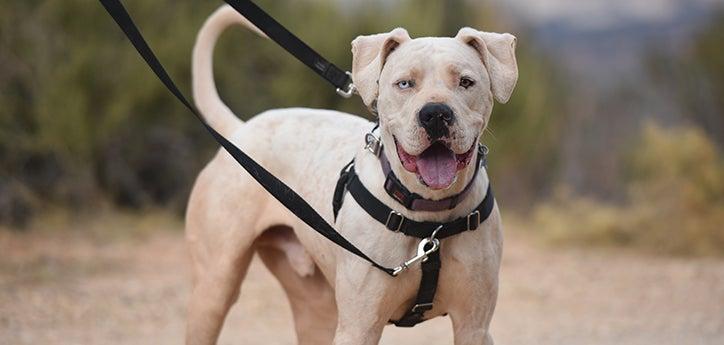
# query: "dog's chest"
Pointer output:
{"type": "Point", "coordinates": [468, 275]}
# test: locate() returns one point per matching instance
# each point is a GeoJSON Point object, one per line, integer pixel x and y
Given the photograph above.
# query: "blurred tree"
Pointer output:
{"type": "Point", "coordinates": [696, 77]}
{"type": "Point", "coordinates": [83, 119]}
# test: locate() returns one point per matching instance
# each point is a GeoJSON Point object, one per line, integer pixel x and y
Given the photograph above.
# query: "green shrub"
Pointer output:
{"type": "Point", "coordinates": [674, 202]}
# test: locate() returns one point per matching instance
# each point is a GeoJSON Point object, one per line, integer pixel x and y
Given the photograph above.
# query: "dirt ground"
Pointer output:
{"type": "Point", "coordinates": [72, 288]}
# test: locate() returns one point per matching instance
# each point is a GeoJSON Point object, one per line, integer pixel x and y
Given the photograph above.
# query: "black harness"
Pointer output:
{"type": "Point", "coordinates": [430, 232]}
{"type": "Point", "coordinates": [397, 222]}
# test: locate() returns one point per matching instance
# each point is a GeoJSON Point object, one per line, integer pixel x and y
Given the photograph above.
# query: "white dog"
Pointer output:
{"type": "Point", "coordinates": [335, 296]}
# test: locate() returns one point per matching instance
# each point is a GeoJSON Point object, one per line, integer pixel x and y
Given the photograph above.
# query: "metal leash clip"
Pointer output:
{"type": "Point", "coordinates": [351, 89]}
{"type": "Point", "coordinates": [422, 253]}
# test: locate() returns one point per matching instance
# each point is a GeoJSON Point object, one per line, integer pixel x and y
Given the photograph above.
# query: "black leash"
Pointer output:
{"type": "Point", "coordinates": [279, 34]}
{"type": "Point", "coordinates": [280, 191]}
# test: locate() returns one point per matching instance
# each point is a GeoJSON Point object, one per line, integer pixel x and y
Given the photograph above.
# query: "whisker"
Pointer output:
{"type": "Point", "coordinates": [489, 130]}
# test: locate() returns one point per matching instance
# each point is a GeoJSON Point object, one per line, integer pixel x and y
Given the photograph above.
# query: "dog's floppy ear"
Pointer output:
{"type": "Point", "coordinates": [368, 56]}
{"type": "Point", "coordinates": [498, 54]}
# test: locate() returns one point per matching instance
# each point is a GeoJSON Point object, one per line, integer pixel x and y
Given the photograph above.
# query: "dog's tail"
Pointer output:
{"type": "Point", "coordinates": [206, 96]}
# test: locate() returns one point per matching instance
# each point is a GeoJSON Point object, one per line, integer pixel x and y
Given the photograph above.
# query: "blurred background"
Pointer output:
{"type": "Point", "coordinates": [611, 147]}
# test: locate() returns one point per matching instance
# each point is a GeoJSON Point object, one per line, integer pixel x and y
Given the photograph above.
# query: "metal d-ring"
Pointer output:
{"type": "Point", "coordinates": [434, 233]}
{"type": "Point", "coordinates": [373, 144]}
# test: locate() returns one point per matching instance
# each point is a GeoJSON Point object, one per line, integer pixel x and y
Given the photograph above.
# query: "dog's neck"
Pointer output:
{"type": "Point", "coordinates": [367, 166]}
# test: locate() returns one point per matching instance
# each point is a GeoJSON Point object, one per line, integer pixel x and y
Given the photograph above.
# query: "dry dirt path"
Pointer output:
{"type": "Point", "coordinates": [70, 288]}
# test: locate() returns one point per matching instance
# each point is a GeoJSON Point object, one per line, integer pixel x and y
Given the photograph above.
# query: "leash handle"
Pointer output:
{"type": "Point", "coordinates": [339, 78]}
{"type": "Point", "coordinates": [280, 191]}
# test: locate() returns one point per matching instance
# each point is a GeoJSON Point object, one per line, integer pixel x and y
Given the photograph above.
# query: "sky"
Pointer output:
{"type": "Point", "coordinates": [601, 14]}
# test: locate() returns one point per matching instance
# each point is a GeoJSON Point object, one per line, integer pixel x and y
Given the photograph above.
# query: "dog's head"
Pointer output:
{"type": "Point", "coordinates": [434, 97]}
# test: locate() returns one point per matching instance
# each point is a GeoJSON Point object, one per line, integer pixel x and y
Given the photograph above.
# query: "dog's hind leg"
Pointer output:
{"type": "Point", "coordinates": [214, 292]}
{"type": "Point", "coordinates": [310, 295]}
{"type": "Point", "coordinates": [220, 239]}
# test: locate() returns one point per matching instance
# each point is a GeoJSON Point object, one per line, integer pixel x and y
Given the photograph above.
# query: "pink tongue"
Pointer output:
{"type": "Point", "coordinates": [437, 166]}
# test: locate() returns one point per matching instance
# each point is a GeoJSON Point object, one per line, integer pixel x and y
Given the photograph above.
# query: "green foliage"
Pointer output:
{"type": "Point", "coordinates": [675, 200]}
{"type": "Point", "coordinates": [83, 119]}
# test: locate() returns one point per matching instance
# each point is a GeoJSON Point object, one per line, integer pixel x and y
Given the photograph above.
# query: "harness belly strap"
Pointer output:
{"type": "Point", "coordinates": [425, 293]}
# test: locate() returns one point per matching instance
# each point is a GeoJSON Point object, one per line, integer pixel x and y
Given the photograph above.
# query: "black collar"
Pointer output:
{"type": "Point", "coordinates": [415, 202]}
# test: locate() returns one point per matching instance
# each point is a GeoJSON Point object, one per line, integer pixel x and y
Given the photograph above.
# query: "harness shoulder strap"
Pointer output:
{"type": "Point", "coordinates": [340, 188]}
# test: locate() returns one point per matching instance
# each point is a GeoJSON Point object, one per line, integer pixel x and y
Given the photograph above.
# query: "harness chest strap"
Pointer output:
{"type": "Point", "coordinates": [397, 222]}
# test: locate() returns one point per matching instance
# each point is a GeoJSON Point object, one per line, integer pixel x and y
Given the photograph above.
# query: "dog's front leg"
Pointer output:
{"type": "Point", "coordinates": [470, 334]}
{"type": "Point", "coordinates": [361, 292]}
{"type": "Point", "coordinates": [471, 319]}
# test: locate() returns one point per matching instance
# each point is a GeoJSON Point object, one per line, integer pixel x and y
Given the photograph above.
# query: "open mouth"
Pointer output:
{"type": "Point", "coordinates": [437, 166]}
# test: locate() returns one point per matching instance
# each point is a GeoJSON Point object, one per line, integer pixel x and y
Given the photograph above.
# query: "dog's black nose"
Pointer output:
{"type": "Point", "coordinates": [435, 118]}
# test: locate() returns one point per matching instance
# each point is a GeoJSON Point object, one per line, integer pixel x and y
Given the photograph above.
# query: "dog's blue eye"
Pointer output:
{"type": "Point", "coordinates": [466, 82]}
{"type": "Point", "coordinates": [405, 84]}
